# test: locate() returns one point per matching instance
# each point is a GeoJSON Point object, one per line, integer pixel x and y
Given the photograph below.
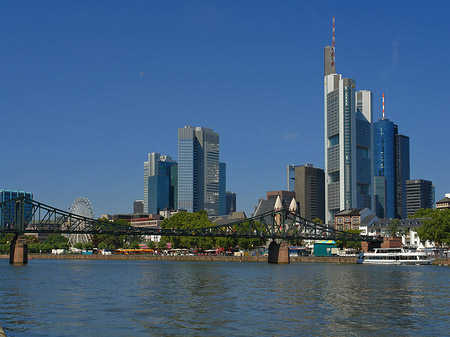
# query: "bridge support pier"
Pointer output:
{"type": "Point", "coordinates": [367, 246]}
{"type": "Point", "coordinates": [278, 253]}
{"type": "Point", "coordinates": [18, 252]}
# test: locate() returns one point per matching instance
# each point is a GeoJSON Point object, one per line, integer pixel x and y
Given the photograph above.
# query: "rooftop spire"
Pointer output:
{"type": "Point", "coordinates": [333, 44]}
{"type": "Point", "coordinates": [383, 105]}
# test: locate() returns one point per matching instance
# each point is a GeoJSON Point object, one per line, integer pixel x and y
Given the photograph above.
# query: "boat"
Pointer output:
{"type": "Point", "coordinates": [395, 256]}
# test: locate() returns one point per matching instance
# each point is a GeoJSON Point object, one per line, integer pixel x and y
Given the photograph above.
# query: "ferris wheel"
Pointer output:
{"type": "Point", "coordinates": [81, 206]}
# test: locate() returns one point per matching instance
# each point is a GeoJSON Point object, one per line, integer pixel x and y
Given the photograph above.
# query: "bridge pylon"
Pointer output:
{"type": "Point", "coordinates": [278, 253]}
{"type": "Point", "coordinates": [18, 251]}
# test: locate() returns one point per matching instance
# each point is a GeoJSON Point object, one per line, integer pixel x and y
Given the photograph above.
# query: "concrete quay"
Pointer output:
{"type": "Point", "coordinates": [296, 259]}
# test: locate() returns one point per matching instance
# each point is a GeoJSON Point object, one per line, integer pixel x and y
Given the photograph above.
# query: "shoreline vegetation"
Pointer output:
{"type": "Point", "coordinates": [293, 259]}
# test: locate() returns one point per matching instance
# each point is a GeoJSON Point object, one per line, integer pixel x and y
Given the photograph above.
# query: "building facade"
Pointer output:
{"type": "Point", "coordinates": [310, 191]}
{"type": "Point", "coordinates": [8, 214]}
{"type": "Point", "coordinates": [348, 143]}
{"type": "Point", "coordinates": [384, 166]}
{"type": "Point", "coordinates": [444, 203]}
{"type": "Point", "coordinates": [230, 202]}
{"type": "Point", "coordinates": [158, 183]}
{"type": "Point", "coordinates": [199, 185]}
{"type": "Point", "coordinates": [138, 206]}
{"type": "Point", "coordinates": [402, 175]}
{"type": "Point", "coordinates": [391, 161]}
{"type": "Point", "coordinates": [419, 194]}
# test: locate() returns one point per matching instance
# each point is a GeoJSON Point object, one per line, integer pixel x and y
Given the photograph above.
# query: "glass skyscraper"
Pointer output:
{"type": "Point", "coordinates": [199, 175]}
{"type": "Point", "coordinates": [384, 164]}
{"type": "Point", "coordinates": [391, 161]}
{"type": "Point", "coordinates": [348, 143]}
{"type": "Point", "coordinates": [159, 180]}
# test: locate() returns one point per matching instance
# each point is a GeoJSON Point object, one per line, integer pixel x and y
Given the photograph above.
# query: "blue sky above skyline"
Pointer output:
{"type": "Point", "coordinates": [89, 88]}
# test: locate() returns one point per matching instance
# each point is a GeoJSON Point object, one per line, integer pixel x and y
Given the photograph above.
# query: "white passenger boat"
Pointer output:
{"type": "Point", "coordinates": [395, 256]}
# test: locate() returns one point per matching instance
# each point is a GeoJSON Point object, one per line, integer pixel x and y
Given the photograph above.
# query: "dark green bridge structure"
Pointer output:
{"type": "Point", "coordinates": [26, 216]}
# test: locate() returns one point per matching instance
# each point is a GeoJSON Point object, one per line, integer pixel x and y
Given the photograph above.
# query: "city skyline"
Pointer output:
{"type": "Point", "coordinates": [90, 89]}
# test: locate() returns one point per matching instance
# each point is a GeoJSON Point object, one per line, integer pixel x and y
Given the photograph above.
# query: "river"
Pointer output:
{"type": "Point", "coordinates": [173, 298]}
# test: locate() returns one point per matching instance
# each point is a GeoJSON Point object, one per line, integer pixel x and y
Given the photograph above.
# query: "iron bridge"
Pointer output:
{"type": "Point", "coordinates": [23, 215]}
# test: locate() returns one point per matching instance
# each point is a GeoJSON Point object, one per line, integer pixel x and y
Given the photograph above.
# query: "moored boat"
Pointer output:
{"type": "Point", "coordinates": [395, 256]}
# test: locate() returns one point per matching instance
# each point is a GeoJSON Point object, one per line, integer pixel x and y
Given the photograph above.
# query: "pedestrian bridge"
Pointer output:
{"type": "Point", "coordinates": [26, 216]}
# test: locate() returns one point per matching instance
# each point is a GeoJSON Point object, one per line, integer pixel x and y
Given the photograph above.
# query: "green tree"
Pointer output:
{"type": "Point", "coordinates": [317, 220]}
{"type": "Point", "coordinates": [394, 228]}
{"type": "Point", "coordinates": [435, 225]}
{"type": "Point", "coordinates": [350, 244]}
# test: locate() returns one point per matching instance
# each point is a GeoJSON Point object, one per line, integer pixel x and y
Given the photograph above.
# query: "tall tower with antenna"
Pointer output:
{"type": "Point", "coordinates": [348, 140]}
{"type": "Point", "coordinates": [330, 54]}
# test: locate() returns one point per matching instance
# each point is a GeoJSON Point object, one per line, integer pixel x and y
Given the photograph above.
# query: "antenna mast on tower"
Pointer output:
{"type": "Point", "coordinates": [383, 105]}
{"type": "Point", "coordinates": [333, 44]}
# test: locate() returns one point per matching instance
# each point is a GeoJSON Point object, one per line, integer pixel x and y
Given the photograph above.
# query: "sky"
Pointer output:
{"type": "Point", "coordinates": [89, 88]}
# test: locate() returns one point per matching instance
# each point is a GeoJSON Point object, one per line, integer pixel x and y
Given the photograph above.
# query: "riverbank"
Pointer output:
{"type": "Point", "coordinates": [296, 259]}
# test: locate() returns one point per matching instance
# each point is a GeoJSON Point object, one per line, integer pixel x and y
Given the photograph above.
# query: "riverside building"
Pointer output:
{"type": "Point", "coordinates": [348, 141]}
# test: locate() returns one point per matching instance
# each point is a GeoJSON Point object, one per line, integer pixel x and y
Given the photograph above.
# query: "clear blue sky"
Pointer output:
{"type": "Point", "coordinates": [88, 88]}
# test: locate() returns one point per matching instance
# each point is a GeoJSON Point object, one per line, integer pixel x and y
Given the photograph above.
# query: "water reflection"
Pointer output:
{"type": "Point", "coordinates": [158, 298]}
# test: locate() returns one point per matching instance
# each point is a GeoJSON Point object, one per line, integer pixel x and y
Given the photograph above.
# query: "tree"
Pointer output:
{"type": "Point", "coordinates": [350, 244]}
{"type": "Point", "coordinates": [435, 225]}
{"type": "Point", "coordinates": [394, 227]}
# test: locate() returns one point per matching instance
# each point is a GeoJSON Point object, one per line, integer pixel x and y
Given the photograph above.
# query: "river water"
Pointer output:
{"type": "Point", "coordinates": [172, 298]}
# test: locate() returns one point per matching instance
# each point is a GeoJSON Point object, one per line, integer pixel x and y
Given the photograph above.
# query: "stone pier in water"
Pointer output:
{"type": "Point", "coordinates": [18, 252]}
{"type": "Point", "coordinates": [278, 253]}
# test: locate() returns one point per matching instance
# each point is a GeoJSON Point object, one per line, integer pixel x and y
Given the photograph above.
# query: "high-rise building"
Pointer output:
{"type": "Point", "coordinates": [291, 178]}
{"type": "Point", "coordinates": [138, 206]}
{"type": "Point", "coordinates": [199, 185]}
{"type": "Point", "coordinates": [384, 166]}
{"type": "Point", "coordinates": [8, 213]}
{"type": "Point", "coordinates": [402, 173]}
{"type": "Point", "coordinates": [310, 191]}
{"type": "Point", "coordinates": [222, 189]}
{"type": "Point", "coordinates": [391, 161]}
{"type": "Point", "coordinates": [158, 176]}
{"type": "Point", "coordinates": [231, 202]}
{"type": "Point", "coordinates": [348, 141]}
{"type": "Point", "coordinates": [419, 194]}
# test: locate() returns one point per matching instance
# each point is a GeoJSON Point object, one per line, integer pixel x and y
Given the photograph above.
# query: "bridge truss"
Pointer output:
{"type": "Point", "coordinates": [23, 215]}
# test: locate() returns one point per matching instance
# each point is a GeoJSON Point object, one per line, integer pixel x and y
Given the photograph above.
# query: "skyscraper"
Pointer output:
{"type": "Point", "coordinates": [310, 191]}
{"type": "Point", "coordinates": [402, 173]}
{"type": "Point", "coordinates": [384, 165]}
{"type": "Point", "coordinates": [158, 182]}
{"type": "Point", "coordinates": [391, 161]}
{"type": "Point", "coordinates": [348, 141]}
{"type": "Point", "coordinates": [199, 170]}
{"type": "Point", "coordinates": [419, 194]}
{"type": "Point", "coordinates": [231, 202]}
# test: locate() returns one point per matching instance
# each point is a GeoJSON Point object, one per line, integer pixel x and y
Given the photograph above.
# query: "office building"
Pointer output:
{"type": "Point", "coordinates": [158, 180]}
{"type": "Point", "coordinates": [348, 141]}
{"type": "Point", "coordinates": [384, 166]}
{"type": "Point", "coordinates": [290, 178]}
{"type": "Point", "coordinates": [138, 206]}
{"type": "Point", "coordinates": [419, 194]}
{"type": "Point", "coordinates": [199, 171]}
{"type": "Point", "coordinates": [402, 170]}
{"type": "Point", "coordinates": [230, 202]}
{"type": "Point", "coordinates": [391, 161]}
{"type": "Point", "coordinates": [310, 191]}
{"type": "Point", "coordinates": [380, 196]}
{"type": "Point", "coordinates": [8, 216]}
{"type": "Point", "coordinates": [222, 189]}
